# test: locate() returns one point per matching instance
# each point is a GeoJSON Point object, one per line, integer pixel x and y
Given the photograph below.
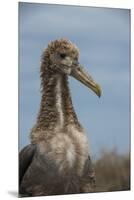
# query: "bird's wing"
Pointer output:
{"type": "Point", "coordinates": [25, 158]}
{"type": "Point", "coordinates": [88, 178]}
{"type": "Point", "coordinates": [91, 172]}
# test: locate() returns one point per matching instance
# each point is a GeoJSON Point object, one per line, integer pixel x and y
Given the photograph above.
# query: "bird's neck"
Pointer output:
{"type": "Point", "coordinates": [56, 109]}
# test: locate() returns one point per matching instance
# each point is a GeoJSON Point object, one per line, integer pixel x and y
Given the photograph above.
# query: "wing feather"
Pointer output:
{"type": "Point", "coordinates": [25, 158]}
{"type": "Point", "coordinates": [88, 182]}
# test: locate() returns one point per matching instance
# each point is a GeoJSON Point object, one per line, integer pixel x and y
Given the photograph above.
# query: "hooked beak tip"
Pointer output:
{"type": "Point", "coordinates": [98, 90]}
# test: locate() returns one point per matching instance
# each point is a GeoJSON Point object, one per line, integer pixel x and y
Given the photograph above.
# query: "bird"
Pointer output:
{"type": "Point", "coordinates": [57, 160]}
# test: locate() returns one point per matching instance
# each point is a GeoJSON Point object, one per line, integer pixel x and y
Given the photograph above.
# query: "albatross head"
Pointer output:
{"type": "Point", "coordinates": [62, 56]}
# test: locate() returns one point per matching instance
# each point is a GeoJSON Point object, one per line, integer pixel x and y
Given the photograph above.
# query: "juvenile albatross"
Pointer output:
{"type": "Point", "coordinates": [57, 161]}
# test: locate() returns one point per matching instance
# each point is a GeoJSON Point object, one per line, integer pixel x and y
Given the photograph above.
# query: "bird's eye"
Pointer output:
{"type": "Point", "coordinates": [76, 58]}
{"type": "Point", "coordinates": [62, 55]}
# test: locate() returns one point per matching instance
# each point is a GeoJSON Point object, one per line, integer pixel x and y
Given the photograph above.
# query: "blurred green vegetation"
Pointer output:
{"type": "Point", "coordinates": [112, 171]}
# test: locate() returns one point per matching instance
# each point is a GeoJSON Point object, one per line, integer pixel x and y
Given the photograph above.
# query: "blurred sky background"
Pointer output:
{"type": "Point", "coordinates": [103, 37]}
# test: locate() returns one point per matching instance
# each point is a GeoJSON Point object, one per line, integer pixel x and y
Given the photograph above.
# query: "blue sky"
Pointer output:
{"type": "Point", "coordinates": [103, 37]}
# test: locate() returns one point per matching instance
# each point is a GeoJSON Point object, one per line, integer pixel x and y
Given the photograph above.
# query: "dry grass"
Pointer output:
{"type": "Point", "coordinates": [112, 172]}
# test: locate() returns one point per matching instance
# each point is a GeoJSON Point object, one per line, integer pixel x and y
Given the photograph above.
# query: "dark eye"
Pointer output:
{"type": "Point", "coordinates": [62, 55]}
{"type": "Point", "coordinates": [76, 58]}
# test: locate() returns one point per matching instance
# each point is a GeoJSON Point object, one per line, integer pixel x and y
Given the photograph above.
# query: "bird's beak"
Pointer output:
{"type": "Point", "coordinates": [81, 75]}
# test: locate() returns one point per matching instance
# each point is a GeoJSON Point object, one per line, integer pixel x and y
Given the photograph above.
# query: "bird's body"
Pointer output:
{"type": "Point", "coordinates": [57, 161]}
